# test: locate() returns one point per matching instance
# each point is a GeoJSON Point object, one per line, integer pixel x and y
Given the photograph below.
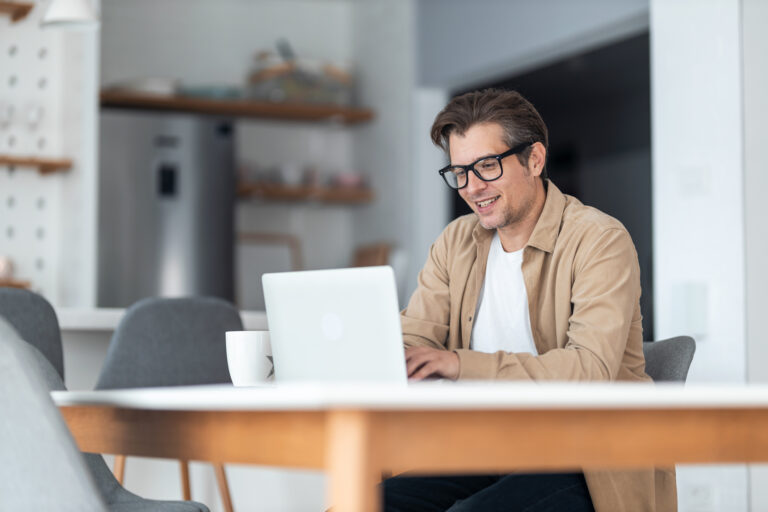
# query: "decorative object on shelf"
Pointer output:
{"type": "Point", "coordinates": [6, 274]}
{"type": "Point", "coordinates": [16, 10]}
{"type": "Point", "coordinates": [43, 165]}
{"type": "Point", "coordinates": [280, 192]}
{"type": "Point", "coordinates": [348, 180]}
{"type": "Point", "coordinates": [151, 85]}
{"type": "Point", "coordinates": [6, 268]}
{"type": "Point", "coordinates": [290, 181]}
{"type": "Point", "coordinates": [70, 14]}
{"type": "Point", "coordinates": [286, 78]}
{"type": "Point", "coordinates": [235, 107]}
{"type": "Point", "coordinates": [212, 92]}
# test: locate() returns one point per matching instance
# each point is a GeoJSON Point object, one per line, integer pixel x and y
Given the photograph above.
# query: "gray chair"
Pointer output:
{"type": "Point", "coordinates": [40, 466]}
{"type": "Point", "coordinates": [669, 360]}
{"type": "Point", "coordinates": [35, 321]}
{"type": "Point", "coordinates": [172, 342]}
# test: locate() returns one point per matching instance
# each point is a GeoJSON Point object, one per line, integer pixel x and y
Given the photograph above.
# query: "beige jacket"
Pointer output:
{"type": "Point", "coordinates": [583, 282]}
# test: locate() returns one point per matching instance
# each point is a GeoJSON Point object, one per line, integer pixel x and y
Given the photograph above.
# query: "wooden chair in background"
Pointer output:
{"type": "Point", "coordinates": [372, 255]}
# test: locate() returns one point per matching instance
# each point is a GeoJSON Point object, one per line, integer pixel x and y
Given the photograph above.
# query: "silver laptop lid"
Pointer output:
{"type": "Point", "coordinates": [335, 325]}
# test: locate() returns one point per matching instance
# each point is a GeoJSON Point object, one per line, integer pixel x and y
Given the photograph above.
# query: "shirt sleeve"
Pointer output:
{"type": "Point", "coordinates": [425, 320]}
{"type": "Point", "coordinates": [604, 294]}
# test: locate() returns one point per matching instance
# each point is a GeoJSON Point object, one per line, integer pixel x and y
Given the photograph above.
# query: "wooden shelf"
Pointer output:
{"type": "Point", "coordinates": [289, 193]}
{"type": "Point", "coordinates": [235, 107]}
{"type": "Point", "coordinates": [14, 284]}
{"type": "Point", "coordinates": [16, 10]}
{"type": "Point", "coordinates": [44, 165]}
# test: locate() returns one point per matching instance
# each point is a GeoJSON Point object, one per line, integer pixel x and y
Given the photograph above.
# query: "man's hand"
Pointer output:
{"type": "Point", "coordinates": [423, 362]}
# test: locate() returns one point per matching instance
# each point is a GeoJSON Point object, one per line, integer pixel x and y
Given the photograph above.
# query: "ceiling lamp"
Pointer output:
{"type": "Point", "coordinates": [70, 14]}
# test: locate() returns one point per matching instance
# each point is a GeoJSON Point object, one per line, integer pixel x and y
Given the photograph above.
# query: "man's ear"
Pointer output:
{"type": "Point", "coordinates": [537, 158]}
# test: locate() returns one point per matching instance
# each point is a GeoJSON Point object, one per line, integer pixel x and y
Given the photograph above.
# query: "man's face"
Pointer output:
{"type": "Point", "coordinates": [503, 202]}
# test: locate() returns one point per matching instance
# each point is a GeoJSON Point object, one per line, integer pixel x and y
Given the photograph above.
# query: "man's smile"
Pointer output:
{"type": "Point", "coordinates": [486, 202]}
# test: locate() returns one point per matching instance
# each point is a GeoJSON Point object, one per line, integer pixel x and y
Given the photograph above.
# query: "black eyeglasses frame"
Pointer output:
{"type": "Point", "coordinates": [471, 167]}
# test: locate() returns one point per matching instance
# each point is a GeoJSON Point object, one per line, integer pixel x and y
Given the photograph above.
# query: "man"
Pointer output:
{"type": "Point", "coordinates": [532, 286]}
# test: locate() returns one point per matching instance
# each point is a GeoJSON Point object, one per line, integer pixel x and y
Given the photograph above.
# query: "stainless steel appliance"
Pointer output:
{"type": "Point", "coordinates": [166, 206]}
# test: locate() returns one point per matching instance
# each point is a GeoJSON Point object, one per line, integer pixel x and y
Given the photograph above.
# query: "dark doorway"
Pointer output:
{"type": "Point", "coordinates": [597, 106]}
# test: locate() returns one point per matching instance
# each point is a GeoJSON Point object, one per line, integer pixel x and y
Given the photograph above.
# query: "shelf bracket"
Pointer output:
{"type": "Point", "coordinates": [16, 10]}
{"type": "Point", "coordinates": [43, 165]}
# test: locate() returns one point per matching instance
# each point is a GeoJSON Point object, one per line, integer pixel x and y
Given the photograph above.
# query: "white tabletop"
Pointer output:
{"type": "Point", "coordinates": [433, 395]}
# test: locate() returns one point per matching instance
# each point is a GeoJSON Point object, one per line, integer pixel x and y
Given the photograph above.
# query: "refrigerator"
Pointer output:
{"type": "Point", "coordinates": [166, 206]}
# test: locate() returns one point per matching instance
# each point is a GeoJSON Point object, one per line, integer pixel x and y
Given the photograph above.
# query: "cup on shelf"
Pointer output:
{"type": "Point", "coordinates": [292, 173]}
{"type": "Point", "coordinates": [249, 357]}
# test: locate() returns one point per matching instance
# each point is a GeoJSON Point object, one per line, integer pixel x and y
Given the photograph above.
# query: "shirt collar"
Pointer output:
{"type": "Point", "coordinates": [547, 228]}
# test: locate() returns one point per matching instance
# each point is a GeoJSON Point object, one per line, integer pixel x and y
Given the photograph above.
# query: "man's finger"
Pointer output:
{"type": "Point", "coordinates": [416, 351]}
{"type": "Point", "coordinates": [416, 361]}
{"type": "Point", "coordinates": [414, 364]}
{"type": "Point", "coordinates": [424, 372]}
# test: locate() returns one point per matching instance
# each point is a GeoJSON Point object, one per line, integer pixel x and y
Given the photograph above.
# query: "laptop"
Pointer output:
{"type": "Point", "coordinates": [340, 325]}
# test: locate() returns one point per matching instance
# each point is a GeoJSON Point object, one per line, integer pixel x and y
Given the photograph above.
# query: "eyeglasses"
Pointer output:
{"type": "Point", "coordinates": [487, 168]}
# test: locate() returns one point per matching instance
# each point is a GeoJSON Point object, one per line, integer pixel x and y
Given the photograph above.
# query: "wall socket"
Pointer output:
{"type": "Point", "coordinates": [690, 303]}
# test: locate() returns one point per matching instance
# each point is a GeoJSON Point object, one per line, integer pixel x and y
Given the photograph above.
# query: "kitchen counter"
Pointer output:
{"type": "Point", "coordinates": [106, 319]}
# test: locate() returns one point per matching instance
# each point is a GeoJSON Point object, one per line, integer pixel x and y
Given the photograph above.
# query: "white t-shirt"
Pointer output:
{"type": "Point", "coordinates": [502, 321]}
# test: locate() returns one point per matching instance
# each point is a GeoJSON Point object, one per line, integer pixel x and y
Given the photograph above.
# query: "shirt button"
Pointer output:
{"type": "Point", "coordinates": [470, 319]}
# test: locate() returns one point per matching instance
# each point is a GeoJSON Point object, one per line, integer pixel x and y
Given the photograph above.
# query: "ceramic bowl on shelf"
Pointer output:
{"type": "Point", "coordinates": [162, 86]}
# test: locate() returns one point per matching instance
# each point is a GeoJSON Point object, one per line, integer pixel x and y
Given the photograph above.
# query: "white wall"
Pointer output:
{"type": "Point", "coordinates": [383, 42]}
{"type": "Point", "coordinates": [213, 42]}
{"type": "Point", "coordinates": [698, 207]}
{"type": "Point", "coordinates": [755, 42]}
{"type": "Point", "coordinates": [48, 82]}
{"type": "Point", "coordinates": [430, 206]}
{"type": "Point", "coordinates": [755, 47]}
{"type": "Point", "coordinates": [79, 206]}
{"type": "Point", "coordinates": [698, 176]}
{"type": "Point", "coordinates": [461, 43]}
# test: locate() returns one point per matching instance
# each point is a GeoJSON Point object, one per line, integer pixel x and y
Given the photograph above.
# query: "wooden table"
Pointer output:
{"type": "Point", "coordinates": [356, 433]}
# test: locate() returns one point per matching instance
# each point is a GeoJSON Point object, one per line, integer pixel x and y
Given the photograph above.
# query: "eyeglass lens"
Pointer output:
{"type": "Point", "coordinates": [487, 170]}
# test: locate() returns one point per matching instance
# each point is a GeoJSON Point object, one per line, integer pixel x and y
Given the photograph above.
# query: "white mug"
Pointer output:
{"type": "Point", "coordinates": [249, 357]}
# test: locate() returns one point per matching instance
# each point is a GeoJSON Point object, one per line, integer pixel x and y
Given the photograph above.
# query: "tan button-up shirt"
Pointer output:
{"type": "Point", "coordinates": [583, 282]}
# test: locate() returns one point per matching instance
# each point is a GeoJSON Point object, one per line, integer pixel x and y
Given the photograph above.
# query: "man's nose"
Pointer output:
{"type": "Point", "coordinates": [474, 183]}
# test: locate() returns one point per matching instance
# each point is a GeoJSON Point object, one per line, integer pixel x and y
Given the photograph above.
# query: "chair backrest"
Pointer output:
{"type": "Point", "coordinates": [372, 255]}
{"type": "Point", "coordinates": [170, 342]}
{"type": "Point", "coordinates": [40, 466]}
{"type": "Point", "coordinates": [35, 320]}
{"type": "Point", "coordinates": [669, 360]}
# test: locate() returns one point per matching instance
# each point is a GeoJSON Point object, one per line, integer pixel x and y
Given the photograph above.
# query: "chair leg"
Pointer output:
{"type": "Point", "coordinates": [119, 469]}
{"type": "Point", "coordinates": [221, 477]}
{"type": "Point", "coordinates": [185, 489]}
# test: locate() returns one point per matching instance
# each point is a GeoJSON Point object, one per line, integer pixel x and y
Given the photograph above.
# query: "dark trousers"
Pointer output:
{"type": "Point", "coordinates": [548, 492]}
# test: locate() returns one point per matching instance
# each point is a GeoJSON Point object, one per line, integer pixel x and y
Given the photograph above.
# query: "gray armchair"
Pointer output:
{"type": "Point", "coordinates": [670, 359]}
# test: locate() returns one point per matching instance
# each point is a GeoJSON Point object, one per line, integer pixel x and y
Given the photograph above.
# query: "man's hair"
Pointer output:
{"type": "Point", "coordinates": [516, 115]}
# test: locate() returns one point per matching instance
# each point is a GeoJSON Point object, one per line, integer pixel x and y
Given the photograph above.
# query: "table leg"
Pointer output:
{"type": "Point", "coordinates": [352, 462]}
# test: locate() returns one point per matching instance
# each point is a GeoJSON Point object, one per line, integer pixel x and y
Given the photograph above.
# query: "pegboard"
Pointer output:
{"type": "Point", "coordinates": [48, 109]}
